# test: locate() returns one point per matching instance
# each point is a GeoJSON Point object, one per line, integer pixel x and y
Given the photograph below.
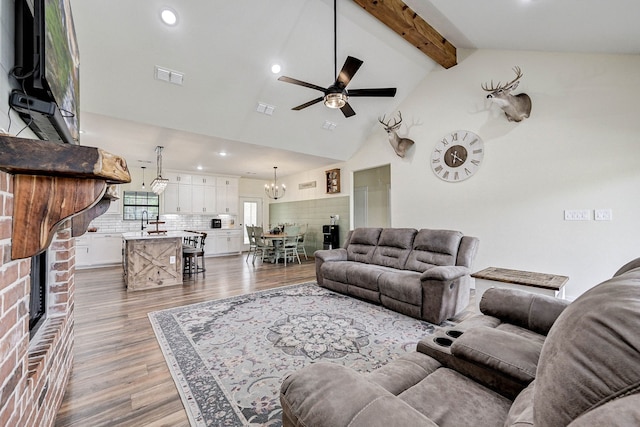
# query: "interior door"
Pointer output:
{"type": "Point", "coordinates": [251, 215]}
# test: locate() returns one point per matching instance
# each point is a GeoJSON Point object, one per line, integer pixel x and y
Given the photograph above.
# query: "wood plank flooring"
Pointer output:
{"type": "Point", "coordinates": [120, 377]}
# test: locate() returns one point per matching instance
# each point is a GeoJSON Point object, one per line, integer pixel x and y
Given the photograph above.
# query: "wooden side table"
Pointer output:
{"type": "Point", "coordinates": [539, 283]}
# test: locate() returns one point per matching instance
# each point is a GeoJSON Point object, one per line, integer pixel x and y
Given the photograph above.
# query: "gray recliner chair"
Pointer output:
{"type": "Point", "coordinates": [588, 374]}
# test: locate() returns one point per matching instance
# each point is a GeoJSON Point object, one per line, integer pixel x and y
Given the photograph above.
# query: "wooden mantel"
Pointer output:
{"type": "Point", "coordinates": [53, 182]}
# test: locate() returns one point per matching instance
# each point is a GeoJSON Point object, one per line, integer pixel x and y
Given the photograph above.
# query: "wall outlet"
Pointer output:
{"type": "Point", "coordinates": [577, 215]}
{"type": "Point", "coordinates": [172, 260]}
{"type": "Point", "coordinates": [603, 215]}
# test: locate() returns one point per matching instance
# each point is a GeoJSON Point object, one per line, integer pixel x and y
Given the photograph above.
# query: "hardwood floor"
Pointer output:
{"type": "Point", "coordinates": [120, 377]}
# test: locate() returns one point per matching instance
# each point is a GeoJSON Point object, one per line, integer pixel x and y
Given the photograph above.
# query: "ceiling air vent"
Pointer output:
{"type": "Point", "coordinates": [168, 76]}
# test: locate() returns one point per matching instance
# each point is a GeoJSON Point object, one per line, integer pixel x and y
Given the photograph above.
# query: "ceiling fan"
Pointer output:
{"type": "Point", "coordinates": [337, 95]}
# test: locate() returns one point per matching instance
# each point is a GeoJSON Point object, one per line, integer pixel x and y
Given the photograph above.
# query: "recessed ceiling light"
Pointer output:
{"type": "Point", "coordinates": [169, 16]}
{"type": "Point", "coordinates": [275, 68]}
{"type": "Point", "coordinates": [222, 153]}
{"type": "Point", "coordinates": [199, 168]}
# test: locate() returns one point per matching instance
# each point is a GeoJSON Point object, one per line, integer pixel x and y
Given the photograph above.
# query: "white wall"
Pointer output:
{"type": "Point", "coordinates": [580, 149]}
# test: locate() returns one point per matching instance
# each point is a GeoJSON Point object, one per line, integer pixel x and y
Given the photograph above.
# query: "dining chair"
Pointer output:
{"type": "Point", "coordinates": [252, 241]}
{"type": "Point", "coordinates": [303, 231]}
{"type": "Point", "coordinates": [263, 245]}
{"type": "Point", "coordinates": [290, 248]}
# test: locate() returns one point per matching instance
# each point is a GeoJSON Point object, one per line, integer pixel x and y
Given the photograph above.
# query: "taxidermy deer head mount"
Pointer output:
{"type": "Point", "coordinates": [515, 107]}
{"type": "Point", "coordinates": [400, 145]}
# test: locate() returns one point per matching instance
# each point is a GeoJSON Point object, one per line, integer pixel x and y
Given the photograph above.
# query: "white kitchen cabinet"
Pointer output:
{"type": "Point", "coordinates": [116, 205]}
{"type": "Point", "coordinates": [82, 251]}
{"type": "Point", "coordinates": [222, 242]}
{"type": "Point", "coordinates": [206, 180]}
{"type": "Point", "coordinates": [178, 198]}
{"type": "Point", "coordinates": [204, 199]}
{"type": "Point", "coordinates": [178, 178]}
{"type": "Point", "coordinates": [93, 250]}
{"type": "Point", "coordinates": [227, 195]}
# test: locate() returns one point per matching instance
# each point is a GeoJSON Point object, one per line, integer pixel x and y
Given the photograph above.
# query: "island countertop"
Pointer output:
{"type": "Point", "coordinates": [143, 235]}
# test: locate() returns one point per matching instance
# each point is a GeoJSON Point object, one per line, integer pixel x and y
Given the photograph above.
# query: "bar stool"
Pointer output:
{"type": "Point", "coordinates": [193, 254]}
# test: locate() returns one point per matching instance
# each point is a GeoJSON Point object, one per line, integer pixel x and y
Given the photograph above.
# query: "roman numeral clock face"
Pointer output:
{"type": "Point", "coordinates": [457, 156]}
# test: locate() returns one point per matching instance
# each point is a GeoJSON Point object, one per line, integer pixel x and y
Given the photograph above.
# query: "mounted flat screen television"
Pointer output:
{"type": "Point", "coordinates": [47, 69]}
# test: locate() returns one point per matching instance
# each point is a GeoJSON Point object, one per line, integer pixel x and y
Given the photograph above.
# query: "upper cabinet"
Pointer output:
{"type": "Point", "coordinates": [204, 194]}
{"type": "Point", "coordinates": [178, 194]}
{"type": "Point", "coordinates": [227, 195]}
{"type": "Point", "coordinates": [200, 194]}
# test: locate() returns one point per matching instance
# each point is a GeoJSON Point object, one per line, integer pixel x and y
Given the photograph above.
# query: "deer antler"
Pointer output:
{"type": "Point", "coordinates": [516, 70]}
{"type": "Point", "coordinates": [387, 125]}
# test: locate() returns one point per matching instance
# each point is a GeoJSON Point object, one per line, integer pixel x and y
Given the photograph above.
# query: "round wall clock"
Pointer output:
{"type": "Point", "coordinates": [457, 156]}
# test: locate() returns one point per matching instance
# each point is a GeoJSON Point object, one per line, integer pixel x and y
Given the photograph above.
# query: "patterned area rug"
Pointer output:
{"type": "Point", "coordinates": [228, 357]}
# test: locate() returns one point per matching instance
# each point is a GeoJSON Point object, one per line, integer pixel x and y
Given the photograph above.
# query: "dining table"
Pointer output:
{"type": "Point", "coordinates": [276, 240]}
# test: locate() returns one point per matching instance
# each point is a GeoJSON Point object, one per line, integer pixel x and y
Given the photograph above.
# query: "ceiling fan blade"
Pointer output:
{"type": "Point", "coordinates": [351, 65]}
{"type": "Point", "coordinates": [308, 104]}
{"type": "Point", "coordinates": [301, 83]}
{"type": "Point", "coordinates": [388, 92]}
{"type": "Point", "coordinates": [347, 110]}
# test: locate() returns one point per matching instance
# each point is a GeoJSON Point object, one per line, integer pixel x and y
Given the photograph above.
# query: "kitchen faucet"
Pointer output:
{"type": "Point", "coordinates": [142, 227]}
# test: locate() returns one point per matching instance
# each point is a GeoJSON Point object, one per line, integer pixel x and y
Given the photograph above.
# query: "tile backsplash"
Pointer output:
{"type": "Point", "coordinates": [113, 223]}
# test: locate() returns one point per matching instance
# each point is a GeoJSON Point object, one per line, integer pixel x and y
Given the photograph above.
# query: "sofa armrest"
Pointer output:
{"type": "Point", "coordinates": [445, 273]}
{"type": "Point", "coordinates": [327, 255]}
{"type": "Point", "coordinates": [510, 354]}
{"type": "Point", "coordinates": [339, 254]}
{"type": "Point", "coordinates": [525, 309]}
{"type": "Point", "coordinates": [327, 394]}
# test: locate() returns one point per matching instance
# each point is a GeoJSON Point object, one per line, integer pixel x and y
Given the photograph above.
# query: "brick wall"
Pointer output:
{"type": "Point", "coordinates": [33, 372]}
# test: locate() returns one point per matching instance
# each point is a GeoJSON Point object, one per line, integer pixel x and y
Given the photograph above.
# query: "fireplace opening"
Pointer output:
{"type": "Point", "coordinates": [38, 296]}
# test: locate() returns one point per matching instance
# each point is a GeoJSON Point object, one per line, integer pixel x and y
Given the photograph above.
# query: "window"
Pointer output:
{"type": "Point", "coordinates": [135, 202]}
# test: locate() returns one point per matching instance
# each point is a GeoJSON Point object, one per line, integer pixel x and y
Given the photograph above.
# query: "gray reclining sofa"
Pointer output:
{"type": "Point", "coordinates": [587, 372]}
{"type": "Point", "coordinates": [424, 274]}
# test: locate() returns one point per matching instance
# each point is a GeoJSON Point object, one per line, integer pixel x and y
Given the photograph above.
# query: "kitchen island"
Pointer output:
{"type": "Point", "coordinates": [152, 260]}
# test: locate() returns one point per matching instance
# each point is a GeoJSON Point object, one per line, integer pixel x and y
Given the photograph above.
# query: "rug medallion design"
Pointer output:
{"type": "Point", "coordinates": [228, 357]}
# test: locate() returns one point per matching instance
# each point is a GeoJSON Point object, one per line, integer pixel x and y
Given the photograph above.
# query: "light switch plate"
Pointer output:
{"type": "Point", "coordinates": [603, 215]}
{"type": "Point", "coordinates": [577, 215]}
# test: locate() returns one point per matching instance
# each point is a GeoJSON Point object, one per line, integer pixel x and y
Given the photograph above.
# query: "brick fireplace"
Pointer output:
{"type": "Point", "coordinates": [33, 371]}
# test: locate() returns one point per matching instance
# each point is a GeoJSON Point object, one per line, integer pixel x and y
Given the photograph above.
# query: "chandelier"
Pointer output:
{"type": "Point", "coordinates": [159, 184]}
{"type": "Point", "coordinates": [273, 191]}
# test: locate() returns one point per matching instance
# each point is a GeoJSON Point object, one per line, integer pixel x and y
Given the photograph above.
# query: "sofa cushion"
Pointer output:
{"type": "Point", "coordinates": [364, 275]}
{"type": "Point", "coordinates": [362, 244]}
{"type": "Point", "coordinates": [402, 286]}
{"type": "Point", "coordinates": [394, 246]}
{"type": "Point", "coordinates": [433, 247]}
{"type": "Point", "coordinates": [404, 372]}
{"type": "Point", "coordinates": [450, 399]}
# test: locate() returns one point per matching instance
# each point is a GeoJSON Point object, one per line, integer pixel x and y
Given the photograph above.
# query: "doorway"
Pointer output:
{"type": "Point", "coordinates": [371, 197]}
{"type": "Point", "coordinates": [251, 215]}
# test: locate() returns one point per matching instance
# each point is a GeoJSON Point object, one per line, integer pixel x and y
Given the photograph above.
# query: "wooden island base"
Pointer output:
{"type": "Point", "coordinates": [152, 262]}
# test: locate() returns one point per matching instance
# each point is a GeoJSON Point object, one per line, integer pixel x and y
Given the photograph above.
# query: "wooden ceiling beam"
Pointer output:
{"type": "Point", "coordinates": [404, 21]}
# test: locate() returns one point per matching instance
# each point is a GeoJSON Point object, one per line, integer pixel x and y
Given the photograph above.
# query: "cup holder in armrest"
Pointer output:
{"type": "Point", "coordinates": [442, 341]}
{"type": "Point", "coordinates": [454, 334]}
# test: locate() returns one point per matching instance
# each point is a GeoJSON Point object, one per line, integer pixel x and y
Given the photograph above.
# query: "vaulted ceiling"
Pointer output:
{"type": "Point", "coordinates": [225, 50]}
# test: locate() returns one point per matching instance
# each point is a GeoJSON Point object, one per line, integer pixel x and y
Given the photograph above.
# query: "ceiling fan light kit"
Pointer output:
{"type": "Point", "coordinates": [335, 100]}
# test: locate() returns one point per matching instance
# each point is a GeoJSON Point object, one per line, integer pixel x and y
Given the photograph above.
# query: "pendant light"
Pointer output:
{"type": "Point", "coordinates": [143, 168]}
{"type": "Point", "coordinates": [273, 191]}
{"type": "Point", "coordinates": [159, 183]}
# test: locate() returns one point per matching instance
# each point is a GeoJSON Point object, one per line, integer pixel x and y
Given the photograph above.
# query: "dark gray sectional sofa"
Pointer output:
{"type": "Point", "coordinates": [424, 274]}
